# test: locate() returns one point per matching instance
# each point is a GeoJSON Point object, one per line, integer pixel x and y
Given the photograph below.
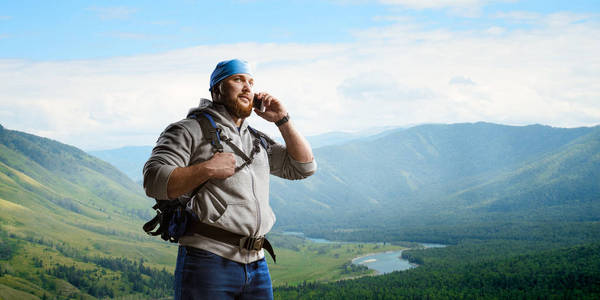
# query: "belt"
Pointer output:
{"type": "Point", "coordinates": [228, 237]}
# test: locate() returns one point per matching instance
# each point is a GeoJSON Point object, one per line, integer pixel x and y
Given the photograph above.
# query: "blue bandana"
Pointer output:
{"type": "Point", "coordinates": [227, 68]}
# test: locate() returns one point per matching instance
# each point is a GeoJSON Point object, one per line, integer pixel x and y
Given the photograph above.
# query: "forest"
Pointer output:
{"type": "Point", "coordinates": [482, 260]}
{"type": "Point", "coordinates": [500, 270]}
{"type": "Point", "coordinates": [97, 276]}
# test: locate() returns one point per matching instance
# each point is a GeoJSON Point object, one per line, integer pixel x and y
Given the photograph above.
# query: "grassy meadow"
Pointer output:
{"type": "Point", "coordinates": [300, 260]}
{"type": "Point", "coordinates": [34, 268]}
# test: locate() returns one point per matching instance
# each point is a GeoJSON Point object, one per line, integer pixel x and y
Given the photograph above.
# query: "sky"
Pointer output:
{"type": "Point", "coordinates": [107, 74]}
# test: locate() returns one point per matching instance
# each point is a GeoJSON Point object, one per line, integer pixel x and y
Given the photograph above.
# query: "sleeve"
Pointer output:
{"type": "Point", "coordinates": [173, 149]}
{"type": "Point", "coordinates": [284, 166]}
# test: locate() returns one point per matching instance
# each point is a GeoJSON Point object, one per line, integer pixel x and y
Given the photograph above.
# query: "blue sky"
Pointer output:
{"type": "Point", "coordinates": [63, 30]}
{"type": "Point", "coordinates": [105, 74]}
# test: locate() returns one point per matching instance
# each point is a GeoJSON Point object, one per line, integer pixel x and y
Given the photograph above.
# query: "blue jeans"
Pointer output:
{"type": "Point", "coordinates": [200, 274]}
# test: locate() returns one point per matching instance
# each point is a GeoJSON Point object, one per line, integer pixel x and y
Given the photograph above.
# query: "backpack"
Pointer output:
{"type": "Point", "coordinates": [172, 216]}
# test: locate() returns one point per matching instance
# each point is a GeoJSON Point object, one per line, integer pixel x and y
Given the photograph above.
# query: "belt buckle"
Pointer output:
{"type": "Point", "coordinates": [258, 243]}
{"type": "Point", "coordinates": [251, 243]}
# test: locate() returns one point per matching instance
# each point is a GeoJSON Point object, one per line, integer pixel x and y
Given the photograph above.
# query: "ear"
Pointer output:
{"type": "Point", "coordinates": [216, 92]}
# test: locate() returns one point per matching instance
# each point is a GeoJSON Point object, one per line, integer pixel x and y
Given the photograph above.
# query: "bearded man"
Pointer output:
{"type": "Point", "coordinates": [221, 255]}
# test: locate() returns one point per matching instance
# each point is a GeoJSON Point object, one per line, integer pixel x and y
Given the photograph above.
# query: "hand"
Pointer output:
{"type": "Point", "coordinates": [221, 165]}
{"type": "Point", "coordinates": [274, 110]}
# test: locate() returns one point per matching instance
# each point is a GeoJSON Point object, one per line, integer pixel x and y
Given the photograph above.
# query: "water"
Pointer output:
{"type": "Point", "coordinates": [429, 245]}
{"type": "Point", "coordinates": [382, 263]}
{"type": "Point", "coordinates": [385, 262]}
{"type": "Point", "coordinates": [319, 241]}
{"type": "Point", "coordinates": [314, 240]}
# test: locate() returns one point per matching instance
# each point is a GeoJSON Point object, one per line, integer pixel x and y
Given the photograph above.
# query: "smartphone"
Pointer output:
{"type": "Point", "coordinates": [257, 103]}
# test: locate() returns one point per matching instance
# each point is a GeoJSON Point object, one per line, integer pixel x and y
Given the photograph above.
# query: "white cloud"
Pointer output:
{"type": "Point", "coordinates": [461, 80]}
{"type": "Point", "coordinates": [130, 36]}
{"type": "Point", "coordinates": [381, 88]}
{"type": "Point", "coordinates": [464, 8]}
{"type": "Point", "coordinates": [397, 19]}
{"type": "Point", "coordinates": [437, 4]}
{"type": "Point", "coordinates": [495, 30]}
{"type": "Point", "coordinates": [519, 16]}
{"type": "Point", "coordinates": [395, 75]}
{"type": "Point", "coordinates": [552, 20]}
{"type": "Point", "coordinates": [421, 4]}
{"type": "Point", "coordinates": [113, 13]}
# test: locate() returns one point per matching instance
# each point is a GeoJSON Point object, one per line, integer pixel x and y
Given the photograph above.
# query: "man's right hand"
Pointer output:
{"type": "Point", "coordinates": [221, 165]}
{"type": "Point", "coordinates": [185, 179]}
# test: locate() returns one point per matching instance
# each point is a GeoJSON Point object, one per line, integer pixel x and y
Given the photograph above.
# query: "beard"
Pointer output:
{"type": "Point", "coordinates": [237, 108]}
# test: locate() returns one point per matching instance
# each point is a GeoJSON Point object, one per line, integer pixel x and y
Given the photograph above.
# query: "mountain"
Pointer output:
{"type": "Point", "coordinates": [69, 222]}
{"type": "Point", "coordinates": [430, 173]}
{"type": "Point", "coordinates": [131, 159]}
{"type": "Point", "coordinates": [339, 137]}
{"type": "Point", "coordinates": [566, 180]}
{"type": "Point", "coordinates": [65, 175]}
{"type": "Point", "coordinates": [434, 174]}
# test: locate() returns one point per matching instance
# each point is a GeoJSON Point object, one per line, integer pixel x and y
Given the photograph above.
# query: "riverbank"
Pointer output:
{"type": "Point", "coordinates": [303, 259]}
{"type": "Point", "coordinates": [300, 260]}
{"type": "Point", "coordinates": [384, 262]}
{"type": "Point", "coordinates": [374, 253]}
{"type": "Point", "coordinates": [389, 261]}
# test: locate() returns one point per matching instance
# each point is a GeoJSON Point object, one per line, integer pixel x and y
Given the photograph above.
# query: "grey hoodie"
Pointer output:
{"type": "Point", "coordinates": [240, 203]}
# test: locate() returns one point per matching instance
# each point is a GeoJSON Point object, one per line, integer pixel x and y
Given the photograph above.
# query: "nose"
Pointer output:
{"type": "Point", "coordinates": [247, 87]}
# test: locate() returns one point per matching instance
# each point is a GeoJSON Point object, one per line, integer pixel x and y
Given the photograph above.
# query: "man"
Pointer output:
{"type": "Point", "coordinates": [220, 257]}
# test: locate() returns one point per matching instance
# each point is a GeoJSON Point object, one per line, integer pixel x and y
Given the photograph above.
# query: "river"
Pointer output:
{"type": "Point", "coordinates": [383, 262]}
{"type": "Point", "coordinates": [387, 262]}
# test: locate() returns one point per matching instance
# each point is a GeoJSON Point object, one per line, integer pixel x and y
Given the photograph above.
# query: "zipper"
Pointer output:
{"type": "Point", "coordinates": [258, 214]}
{"type": "Point", "coordinates": [257, 203]}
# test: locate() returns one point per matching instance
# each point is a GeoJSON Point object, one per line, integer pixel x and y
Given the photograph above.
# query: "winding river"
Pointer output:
{"type": "Point", "coordinates": [387, 262]}
{"type": "Point", "coordinates": [383, 262]}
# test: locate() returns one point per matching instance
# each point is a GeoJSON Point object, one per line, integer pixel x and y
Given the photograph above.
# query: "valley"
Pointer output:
{"type": "Point", "coordinates": [510, 202]}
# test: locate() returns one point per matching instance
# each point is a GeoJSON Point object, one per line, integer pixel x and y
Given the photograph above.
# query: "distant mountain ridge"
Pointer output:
{"type": "Point", "coordinates": [131, 159]}
{"type": "Point", "coordinates": [79, 217]}
{"type": "Point", "coordinates": [443, 173]}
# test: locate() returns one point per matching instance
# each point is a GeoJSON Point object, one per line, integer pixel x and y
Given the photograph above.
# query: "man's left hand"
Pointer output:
{"type": "Point", "coordinates": [274, 110]}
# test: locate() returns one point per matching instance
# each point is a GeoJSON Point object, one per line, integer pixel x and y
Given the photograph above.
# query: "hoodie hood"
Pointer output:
{"type": "Point", "coordinates": [204, 104]}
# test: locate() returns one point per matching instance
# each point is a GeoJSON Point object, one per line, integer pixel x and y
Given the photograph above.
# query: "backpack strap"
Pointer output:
{"type": "Point", "coordinates": [210, 130]}
{"type": "Point", "coordinates": [265, 140]}
{"type": "Point", "coordinates": [212, 133]}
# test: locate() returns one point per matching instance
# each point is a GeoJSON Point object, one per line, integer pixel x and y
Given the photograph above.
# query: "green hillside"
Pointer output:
{"type": "Point", "coordinates": [64, 215]}
{"type": "Point", "coordinates": [506, 200]}
{"type": "Point", "coordinates": [565, 182]}
{"type": "Point", "coordinates": [70, 228]}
